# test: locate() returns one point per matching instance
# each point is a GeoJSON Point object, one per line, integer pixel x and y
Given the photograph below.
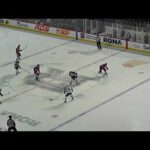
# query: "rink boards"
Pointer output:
{"type": "Point", "coordinates": [39, 106]}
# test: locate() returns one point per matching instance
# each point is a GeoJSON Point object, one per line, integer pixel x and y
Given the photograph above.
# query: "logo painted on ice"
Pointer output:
{"type": "Point", "coordinates": [20, 118]}
{"type": "Point", "coordinates": [112, 41]}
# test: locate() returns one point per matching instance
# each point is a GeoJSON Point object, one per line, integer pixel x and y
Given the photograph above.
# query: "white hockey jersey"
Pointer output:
{"type": "Point", "coordinates": [68, 89]}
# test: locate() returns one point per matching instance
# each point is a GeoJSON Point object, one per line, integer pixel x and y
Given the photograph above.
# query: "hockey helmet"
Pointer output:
{"type": "Point", "coordinates": [10, 116]}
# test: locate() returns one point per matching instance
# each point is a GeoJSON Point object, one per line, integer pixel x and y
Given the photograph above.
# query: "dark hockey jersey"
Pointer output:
{"type": "Point", "coordinates": [73, 73]}
{"type": "Point", "coordinates": [16, 65]}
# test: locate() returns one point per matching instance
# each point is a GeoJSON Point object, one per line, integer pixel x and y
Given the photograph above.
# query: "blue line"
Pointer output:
{"type": "Point", "coordinates": [98, 60]}
{"type": "Point", "coordinates": [99, 105]}
{"type": "Point", "coordinates": [39, 52]}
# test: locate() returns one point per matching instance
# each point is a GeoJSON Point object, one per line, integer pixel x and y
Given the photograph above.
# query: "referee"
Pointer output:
{"type": "Point", "coordinates": [98, 41]}
{"type": "Point", "coordinates": [11, 124]}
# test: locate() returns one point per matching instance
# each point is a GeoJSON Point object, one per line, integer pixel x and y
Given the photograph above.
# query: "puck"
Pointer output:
{"type": "Point", "coordinates": [141, 72]}
{"type": "Point", "coordinates": [54, 116]}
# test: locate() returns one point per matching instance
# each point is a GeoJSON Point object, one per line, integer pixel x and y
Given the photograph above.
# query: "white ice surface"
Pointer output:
{"type": "Point", "coordinates": [88, 112]}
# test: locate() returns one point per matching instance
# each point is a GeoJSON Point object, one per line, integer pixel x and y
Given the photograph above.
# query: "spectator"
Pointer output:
{"type": "Point", "coordinates": [114, 33]}
{"type": "Point", "coordinates": [129, 35]}
{"type": "Point", "coordinates": [123, 34]}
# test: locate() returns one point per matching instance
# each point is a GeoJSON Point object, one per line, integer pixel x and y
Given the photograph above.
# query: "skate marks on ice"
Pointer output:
{"type": "Point", "coordinates": [82, 52]}
{"type": "Point", "coordinates": [39, 52]}
{"type": "Point", "coordinates": [46, 65]}
{"type": "Point", "coordinates": [7, 88]}
{"type": "Point", "coordinates": [4, 81]}
{"type": "Point", "coordinates": [100, 78]}
{"type": "Point", "coordinates": [54, 116]}
{"type": "Point", "coordinates": [103, 79]}
{"type": "Point", "coordinates": [3, 34]}
{"type": "Point", "coordinates": [55, 81]}
{"type": "Point", "coordinates": [49, 80]}
{"type": "Point", "coordinates": [86, 83]}
{"type": "Point", "coordinates": [30, 78]}
{"type": "Point", "coordinates": [100, 104]}
{"type": "Point", "coordinates": [80, 91]}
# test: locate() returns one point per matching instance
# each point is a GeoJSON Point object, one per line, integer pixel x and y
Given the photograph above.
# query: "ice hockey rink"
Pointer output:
{"type": "Point", "coordinates": [119, 101]}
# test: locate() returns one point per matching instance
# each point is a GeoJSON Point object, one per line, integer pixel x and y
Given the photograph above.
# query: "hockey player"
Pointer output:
{"type": "Point", "coordinates": [37, 71]}
{"type": "Point", "coordinates": [17, 66]}
{"type": "Point", "coordinates": [74, 77]}
{"type": "Point", "coordinates": [68, 91]}
{"type": "Point", "coordinates": [103, 67]}
{"type": "Point", "coordinates": [18, 52]}
{"type": "Point", "coordinates": [1, 92]}
{"type": "Point", "coordinates": [11, 124]}
{"type": "Point", "coordinates": [98, 41]}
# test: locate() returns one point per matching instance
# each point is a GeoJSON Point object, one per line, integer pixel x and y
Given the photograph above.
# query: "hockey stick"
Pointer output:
{"type": "Point", "coordinates": [25, 47]}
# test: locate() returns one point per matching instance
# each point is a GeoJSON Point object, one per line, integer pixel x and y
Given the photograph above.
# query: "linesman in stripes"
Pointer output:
{"type": "Point", "coordinates": [98, 41]}
{"type": "Point", "coordinates": [11, 124]}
